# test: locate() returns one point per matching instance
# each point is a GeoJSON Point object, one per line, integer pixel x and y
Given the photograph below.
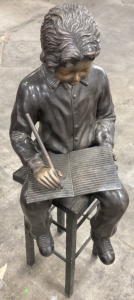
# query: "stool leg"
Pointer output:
{"type": "Point", "coordinates": [71, 231]}
{"type": "Point", "coordinates": [30, 256]}
{"type": "Point", "coordinates": [60, 219]}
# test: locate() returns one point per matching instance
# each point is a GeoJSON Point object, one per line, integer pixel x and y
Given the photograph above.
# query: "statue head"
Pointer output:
{"type": "Point", "coordinates": [69, 35]}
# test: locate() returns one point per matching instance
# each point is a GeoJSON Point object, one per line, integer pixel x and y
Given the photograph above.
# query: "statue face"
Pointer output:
{"type": "Point", "coordinates": [75, 73]}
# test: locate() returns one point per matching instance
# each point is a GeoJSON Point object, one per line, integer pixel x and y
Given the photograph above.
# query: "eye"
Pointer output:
{"type": "Point", "coordinates": [65, 74]}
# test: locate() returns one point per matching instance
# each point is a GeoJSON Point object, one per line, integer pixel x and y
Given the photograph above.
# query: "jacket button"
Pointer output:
{"type": "Point", "coordinates": [76, 126]}
{"type": "Point", "coordinates": [74, 96]}
{"type": "Point", "coordinates": [76, 138]}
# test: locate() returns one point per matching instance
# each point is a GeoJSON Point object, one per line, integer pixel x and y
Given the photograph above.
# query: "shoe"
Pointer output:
{"type": "Point", "coordinates": [103, 248]}
{"type": "Point", "coordinates": [45, 244]}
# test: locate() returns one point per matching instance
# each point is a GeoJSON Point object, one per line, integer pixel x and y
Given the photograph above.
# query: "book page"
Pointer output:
{"type": "Point", "coordinates": [84, 172]}
{"type": "Point", "coordinates": [93, 170]}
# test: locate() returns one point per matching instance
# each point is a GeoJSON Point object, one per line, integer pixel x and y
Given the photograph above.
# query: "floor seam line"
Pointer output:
{"type": "Point", "coordinates": [15, 29]}
{"type": "Point", "coordinates": [6, 165]}
{"type": "Point", "coordinates": [30, 21]}
{"type": "Point", "coordinates": [124, 243]}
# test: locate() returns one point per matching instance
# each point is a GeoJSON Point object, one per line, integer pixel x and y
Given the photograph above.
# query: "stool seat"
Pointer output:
{"type": "Point", "coordinates": [76, 205]}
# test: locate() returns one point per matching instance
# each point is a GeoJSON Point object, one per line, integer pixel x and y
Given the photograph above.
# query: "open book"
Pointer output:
{"type": "Point", "coordinates": [84, 171]}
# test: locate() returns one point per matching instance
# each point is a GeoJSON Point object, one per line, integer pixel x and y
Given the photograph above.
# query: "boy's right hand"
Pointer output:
{"type": "Point", "coordinates": [48, 177]}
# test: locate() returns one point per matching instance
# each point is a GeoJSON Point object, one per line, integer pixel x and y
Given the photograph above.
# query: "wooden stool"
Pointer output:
{"type": "Point", "coordinates": [74, 209]}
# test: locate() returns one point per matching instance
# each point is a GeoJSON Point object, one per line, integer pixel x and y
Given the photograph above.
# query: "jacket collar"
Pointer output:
{"type": "Point", "coordinates": [51, 80]}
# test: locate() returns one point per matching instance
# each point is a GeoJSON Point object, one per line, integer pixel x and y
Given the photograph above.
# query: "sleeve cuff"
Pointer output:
{"type": "Point", "coordinates": [35, 162]}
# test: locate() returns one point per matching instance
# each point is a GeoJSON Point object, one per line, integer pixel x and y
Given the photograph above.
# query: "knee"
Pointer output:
{"type": "Point", "coordinates": [120, 200]}
{"type": "Point", "coordinates": [124, 199]}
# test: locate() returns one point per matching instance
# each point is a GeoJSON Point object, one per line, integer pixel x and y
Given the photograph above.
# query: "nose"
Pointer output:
{"type": "Point", "coordinates": [76, 77]}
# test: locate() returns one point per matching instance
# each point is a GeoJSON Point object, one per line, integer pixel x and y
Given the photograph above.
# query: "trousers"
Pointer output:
{"type": "Point", "coordinates": [113, 205]}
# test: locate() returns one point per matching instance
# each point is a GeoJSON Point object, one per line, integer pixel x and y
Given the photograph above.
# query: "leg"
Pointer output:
{"type": "Point", "coordinates": [94, 252]}
{"type": "Point", "coordinates": [113, 205]}
{"type": "Point", "coordinates": [29, 248]}
{"type": "Point", "coordinates": [37, 222]}
{"type": "Point", "coordinates": [60, 219]}
{"type": "Point", "coordinates": [71, 228]}
{"type": "Point", "coordinates": [37, 215]}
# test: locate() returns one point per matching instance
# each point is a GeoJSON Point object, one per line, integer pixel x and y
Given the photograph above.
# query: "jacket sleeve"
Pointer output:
{"type": "Point", "coordinates": [105, 118]}
{"type": "Point", "coordinates": [20, 131]}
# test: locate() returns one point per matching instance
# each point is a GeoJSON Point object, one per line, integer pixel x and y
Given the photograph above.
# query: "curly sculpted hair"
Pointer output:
{"type": "Point", "coordinates": [69, 34]}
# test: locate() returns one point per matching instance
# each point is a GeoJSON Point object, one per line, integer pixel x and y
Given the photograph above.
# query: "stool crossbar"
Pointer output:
{"type": "Point", "coordinates": [63, 229]}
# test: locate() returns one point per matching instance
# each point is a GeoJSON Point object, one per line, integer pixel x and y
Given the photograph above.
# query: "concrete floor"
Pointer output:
{"type": "Point", "coordinates": [19, 55]}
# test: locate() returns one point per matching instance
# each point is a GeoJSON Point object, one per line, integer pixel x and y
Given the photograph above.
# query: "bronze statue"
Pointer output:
{"type": "Point", "coordinates": [70, 97]}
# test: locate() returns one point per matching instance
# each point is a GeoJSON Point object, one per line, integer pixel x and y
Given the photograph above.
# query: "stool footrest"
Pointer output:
{"type": "Point", "coordinates": [60, 256]}
{"type": "Point", "coordinates": [82, 247]}
{"type": "Point", "coordinates": [60, 226]}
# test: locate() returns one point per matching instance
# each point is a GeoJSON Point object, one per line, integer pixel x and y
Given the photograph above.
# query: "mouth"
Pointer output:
{"type": "Point", "coordinates": [74, 82]}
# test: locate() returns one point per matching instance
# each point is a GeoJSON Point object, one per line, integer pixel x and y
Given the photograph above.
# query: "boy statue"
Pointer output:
{"type": "Point", "coordinates": [70, 98]}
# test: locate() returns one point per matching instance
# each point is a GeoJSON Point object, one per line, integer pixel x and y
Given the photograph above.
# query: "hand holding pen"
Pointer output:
{"type": "Point", "coordinates": [47, 176]}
